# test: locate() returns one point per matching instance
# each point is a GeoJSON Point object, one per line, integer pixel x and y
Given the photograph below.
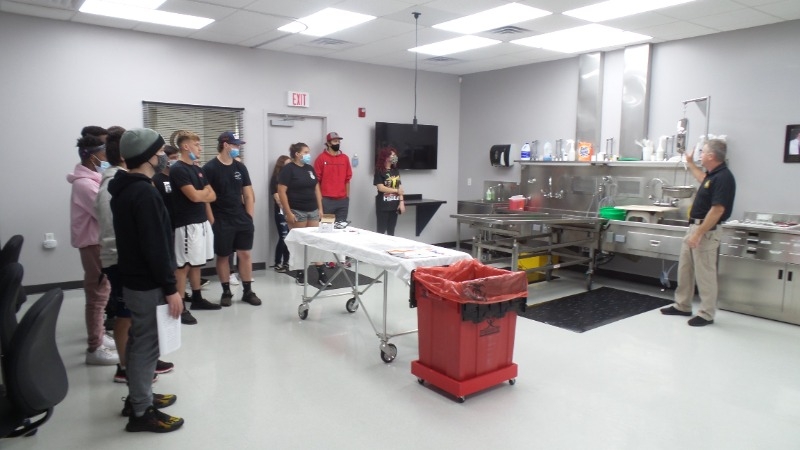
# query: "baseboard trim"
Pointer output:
{"type": "Point", "coordinates": [69, 285]}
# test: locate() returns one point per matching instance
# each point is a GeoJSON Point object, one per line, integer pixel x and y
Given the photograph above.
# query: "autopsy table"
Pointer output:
{"type": "Point", "coordinates": [390, 254]}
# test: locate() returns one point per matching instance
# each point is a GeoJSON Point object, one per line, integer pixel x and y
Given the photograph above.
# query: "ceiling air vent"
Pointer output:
{"type": "Point", "coordinates": [441, 59]}
{"type": "Point", "coordinates": [325, 42]}
{"type": "Point", "coordinates": [509, 29]}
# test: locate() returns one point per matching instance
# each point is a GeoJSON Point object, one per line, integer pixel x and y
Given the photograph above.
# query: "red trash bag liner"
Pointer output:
{"type": "Point", "coordinates": [469, 281]}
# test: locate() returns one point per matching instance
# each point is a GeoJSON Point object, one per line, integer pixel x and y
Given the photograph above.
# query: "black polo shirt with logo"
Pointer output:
{"type": "Point", "coordinates": [717, 188]}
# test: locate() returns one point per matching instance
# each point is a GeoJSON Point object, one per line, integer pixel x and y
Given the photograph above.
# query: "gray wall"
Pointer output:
{"type": "Point", "coordinates": [59, 76]}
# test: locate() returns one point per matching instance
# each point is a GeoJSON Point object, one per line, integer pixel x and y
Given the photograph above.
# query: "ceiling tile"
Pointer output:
{"type": "Point", "coordinates": [697, 9]}
{"type": "Point", "coordinates": [229, 3]}
{"type": "Point", "coordinates": [558, 6]}
{"type": "Point", "coordinates": [734, 20]}
{"type": "Point", "coordinates": [290, 9]}
{"type": "Point", "coordinates": [787, 10]}
{"type": "Point", "coordinates": [638, 21]}
{"type": "Point", "coordinates": [245, 24]}
{"type": "Point", "coordinates": [104, 21]}
{"type": "Point", "coordinates": [465, 7]}
{"type": "Point", "coordinates": [372, 7]}
{"type": "Point", "coordinates": [36, 11]}
{"type": "Point", "coordinates": [374, 30]}
{"type": "Point", "coordinates": [164, 29]}
{"type": "Point", "coordinates": [199, 9]}
{"type": "Point", "coordinates": [676, 30]}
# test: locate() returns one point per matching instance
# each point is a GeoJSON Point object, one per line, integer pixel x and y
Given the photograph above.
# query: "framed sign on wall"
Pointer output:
{"type": "Point", "coordinates": [791, 150]}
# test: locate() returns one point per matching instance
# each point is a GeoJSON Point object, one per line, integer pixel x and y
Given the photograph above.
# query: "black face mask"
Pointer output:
{"type": "Point", "coordinates": [162, 163]}
{"type": "Point", "coordinates": [335, 147]}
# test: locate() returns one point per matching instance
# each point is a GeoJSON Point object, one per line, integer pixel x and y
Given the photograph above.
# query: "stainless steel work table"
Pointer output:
{"type": "Point", "coordinates": [526, 234]}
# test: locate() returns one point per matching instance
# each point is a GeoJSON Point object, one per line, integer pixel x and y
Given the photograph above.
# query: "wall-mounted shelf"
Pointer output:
{"type": "Point", "coordinates": [426, 208]}
{"type": "Point", "coordinates": [649, 164]}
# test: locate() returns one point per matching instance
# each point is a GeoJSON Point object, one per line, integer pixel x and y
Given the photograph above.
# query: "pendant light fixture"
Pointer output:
{"type": "Point", "coordinates": [416, 60]}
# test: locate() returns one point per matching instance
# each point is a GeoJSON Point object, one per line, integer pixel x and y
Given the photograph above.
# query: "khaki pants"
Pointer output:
{"type": "Point", "coordinates": [96, 289]}
{"type": "Point", "coordinates": [698, 265]}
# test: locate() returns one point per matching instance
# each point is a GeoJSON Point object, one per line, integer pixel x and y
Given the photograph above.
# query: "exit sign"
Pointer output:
{"type": "Point", "coordinates": [298, 99]}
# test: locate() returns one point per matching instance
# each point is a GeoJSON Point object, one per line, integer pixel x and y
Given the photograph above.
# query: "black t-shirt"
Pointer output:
{"type": "Point", "coordinates": [186, 211]}
{"type": "Point", "coordinates": [718, 188]}
{"type": "Point", "coordinates": [386, 201]}
{"type": "Point", "coordinates": [227, 182]}
{"type": "Point", "coordinates": [301, 183]}
{"type": "Point", "coordinates": [161, 181]}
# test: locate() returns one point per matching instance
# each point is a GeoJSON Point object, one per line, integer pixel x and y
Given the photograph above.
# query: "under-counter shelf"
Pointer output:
{"type": "Point", "coordinates": [650, 164]}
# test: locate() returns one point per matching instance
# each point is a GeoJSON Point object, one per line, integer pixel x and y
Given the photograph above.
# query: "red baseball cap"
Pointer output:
{"type": "Point", "coordinates": [333, 135]}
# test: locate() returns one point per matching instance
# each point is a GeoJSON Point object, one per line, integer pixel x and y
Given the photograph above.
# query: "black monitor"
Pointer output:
{"type": "Point", "coordinates": [416, 149]}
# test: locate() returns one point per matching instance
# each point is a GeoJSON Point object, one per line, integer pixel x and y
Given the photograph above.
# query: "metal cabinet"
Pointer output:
{"type": "Point", "coordinates": [760, 288]}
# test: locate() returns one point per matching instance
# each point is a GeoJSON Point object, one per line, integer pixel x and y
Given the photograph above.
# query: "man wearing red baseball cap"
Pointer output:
{"type": "Point", "coordinates": [334, 174]}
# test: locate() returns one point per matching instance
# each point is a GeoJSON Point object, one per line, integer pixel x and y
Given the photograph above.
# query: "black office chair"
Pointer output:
{"type": "Point", "coordinates": [10, 254]}
{"type": "Point", "coordinates": [10, 279]}
{"type": "Point", "coordinates": [35, 376]}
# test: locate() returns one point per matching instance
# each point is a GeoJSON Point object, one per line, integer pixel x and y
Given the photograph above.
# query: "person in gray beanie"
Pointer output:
{"type": "Point", "coordinates": [147, 268]}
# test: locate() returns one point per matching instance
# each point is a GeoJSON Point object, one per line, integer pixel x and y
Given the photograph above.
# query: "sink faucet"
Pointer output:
{"type": "Point", "coordinates": [550, 193]}
{"type": "Point", "coordinates": [659, 201]}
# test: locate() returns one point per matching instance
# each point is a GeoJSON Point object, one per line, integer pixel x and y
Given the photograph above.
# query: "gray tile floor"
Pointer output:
{"type": "Point", "coordinates": [259, 377]}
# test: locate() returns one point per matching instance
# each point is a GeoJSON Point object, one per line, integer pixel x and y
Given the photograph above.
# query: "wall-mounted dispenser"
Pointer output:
{"type": "Point", "coordinates": [499, 155]}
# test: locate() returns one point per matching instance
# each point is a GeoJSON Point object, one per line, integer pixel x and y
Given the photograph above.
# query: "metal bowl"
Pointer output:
{"type": "Point", "coordinates": [678, 191]}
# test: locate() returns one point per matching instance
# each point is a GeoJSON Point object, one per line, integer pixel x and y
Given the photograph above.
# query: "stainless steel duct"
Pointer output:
{"type": "Point", "coordinates": [590, 98]}
{"type": "Point", "coordinates": [635, 99]}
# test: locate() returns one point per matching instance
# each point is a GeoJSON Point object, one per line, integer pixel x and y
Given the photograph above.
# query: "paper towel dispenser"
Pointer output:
{"type": "Point", "coordinates": [499, 155]}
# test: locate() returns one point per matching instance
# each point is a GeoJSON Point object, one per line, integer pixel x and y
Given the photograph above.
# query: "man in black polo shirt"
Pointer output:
{"type": "Point", "coordinates": [698, 261]}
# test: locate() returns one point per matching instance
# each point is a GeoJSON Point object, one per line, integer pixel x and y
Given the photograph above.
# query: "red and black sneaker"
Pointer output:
{"type": "Point", "coordinates": [159, 401]}
{"type": "Point", "coordinates": [154, 421]}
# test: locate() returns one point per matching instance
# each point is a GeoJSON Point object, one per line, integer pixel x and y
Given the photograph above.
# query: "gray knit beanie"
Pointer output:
{"type": "Point", "coordinates": [139, 145]}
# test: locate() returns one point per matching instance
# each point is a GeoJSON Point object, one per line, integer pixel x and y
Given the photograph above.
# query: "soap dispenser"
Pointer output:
{"type": "Point", "coordinates": [490, 194]}
{"type": "Point", "coordinates": [571, 155]}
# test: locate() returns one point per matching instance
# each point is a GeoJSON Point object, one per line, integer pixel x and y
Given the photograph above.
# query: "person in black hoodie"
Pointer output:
{"type": "Point", "coordinates": [146, 262]}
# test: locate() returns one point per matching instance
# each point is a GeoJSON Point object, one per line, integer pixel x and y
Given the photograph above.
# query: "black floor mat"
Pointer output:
{"type": "Point", "coordinates": [592, 309]}
{"type": "Point", "coordinates": [340, 281]}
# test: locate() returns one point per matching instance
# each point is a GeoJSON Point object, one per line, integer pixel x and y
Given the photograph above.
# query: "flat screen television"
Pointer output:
{"type": "Point", "coordinates": [416, 150]}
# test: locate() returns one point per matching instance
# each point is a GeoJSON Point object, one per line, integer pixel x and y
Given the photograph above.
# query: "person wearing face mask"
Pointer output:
{"type": "Point", "coordinates": [232, 216]}
{"type": "Point", "coordinates": [300, 196]}
{"type": "Point", "coordinates": [85, 236]}
{"type": "Point", "coordinates": [161, 181]}
{"type": "Point", "coordinates": [146, 259]}
{"type": "Point", "coordinates": [191, 195]}
{"type": "Point", "coordinates": [389, 200]}
{"type": "Point", "coordinates": [333, 169]}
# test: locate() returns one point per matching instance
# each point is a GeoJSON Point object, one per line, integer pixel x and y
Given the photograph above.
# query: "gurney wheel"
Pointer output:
{"type": "Point", "coordinates": [461, 399]}
{"type": "Point", "coordinates": [420, 381]}
{"type": "Point", "coordinates": [389, 354]}
{"type": "Point", "coordinates": [512, 381]}
{"type": "Point", "coordinates": [588, 282]}
{"type": "Point", "coordinates": [302, 311]}
{"type": "Point", "coordinates": [351, 305]}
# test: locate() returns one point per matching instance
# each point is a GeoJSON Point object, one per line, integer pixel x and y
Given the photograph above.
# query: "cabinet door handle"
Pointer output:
{"type": "Point", "coordinates": [780, 274]}
{"type": "Point", "coordinates": [788, 276]}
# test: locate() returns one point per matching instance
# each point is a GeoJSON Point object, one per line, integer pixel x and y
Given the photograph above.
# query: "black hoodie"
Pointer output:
{"type": "Point", "coordinates": [144, 239]}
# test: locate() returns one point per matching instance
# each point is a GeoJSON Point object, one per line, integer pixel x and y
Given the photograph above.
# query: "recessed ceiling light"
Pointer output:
{"type": "Point", "coordinates": [327, 21]}
{"type": "Point", "coordinates": [142, 11]}
{"type": "Point", "coordinates": [583, 38]}
{"type": "Point", "coordinates": [493, 18]}
{"type": "Point", "coordinates": [613, 9]}
{"type": "Point", "coordinates": [455, 45]}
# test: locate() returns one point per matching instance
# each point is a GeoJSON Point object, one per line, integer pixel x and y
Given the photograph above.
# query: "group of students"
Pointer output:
{"type": "Point", "coordinates": [302, 192]}
{"type": "Point", "coordinates": [139, 243]}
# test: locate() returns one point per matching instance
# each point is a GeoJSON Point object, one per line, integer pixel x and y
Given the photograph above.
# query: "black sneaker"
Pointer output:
{"type": "Point", "coordinates": [187, 298]}
{"type": "Point", "coordinates": [300, 278]}
{"type": "Point", "coordinates": [121, 376]}
{"type": "Point", "coordinates": [673, 311]}
{"type": "Point", "coordinates": [159, 401]}
{"type": "Point", "coordinates": [252, 298]}
{"type": "Point", "coordinates": [154, 421]}
{"type": "Point", "coordinates": [280, 268]}
{"type": "Point", "coordinates": [164, 367]}
{"type": "Point", "coordinates": [226, 299]}
{"type": "Point", "coordinates": [187, 318]}
{"type": "Point", "coordinates": [202, 303]}
{"type": "Point", "coordinates": [698, 321]}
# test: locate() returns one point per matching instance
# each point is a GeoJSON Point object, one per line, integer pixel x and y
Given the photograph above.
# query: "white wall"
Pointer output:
{"type": "Point", "coordinates": [58, 77]}
{"type": "Point", "coordinates": [751, 75]}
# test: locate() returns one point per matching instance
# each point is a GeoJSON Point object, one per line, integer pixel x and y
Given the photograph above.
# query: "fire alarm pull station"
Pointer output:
{"type": "Point", "coordinates": [362, 112]}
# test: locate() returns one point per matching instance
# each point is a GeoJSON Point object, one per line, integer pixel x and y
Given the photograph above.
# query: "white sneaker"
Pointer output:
{"type": "Point", "coordinates": [109, 343]}
{"type": "Point", "coordinates": [234, 280]}
{"type": "Point", "coordinates": [102, 357]}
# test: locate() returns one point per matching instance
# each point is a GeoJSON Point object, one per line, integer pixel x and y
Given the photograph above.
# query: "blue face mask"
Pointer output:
{"type": "Point", "coordinates": [307, 158]}
{"type": "Point", "coordinates": [192, 156]}
{"type": "Point", "coordinates": [234, 153]}
{"type": "Point", "coordinates": [103, 166]}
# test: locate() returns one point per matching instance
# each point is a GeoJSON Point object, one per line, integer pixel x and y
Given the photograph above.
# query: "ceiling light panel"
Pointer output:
{"type": "Point", "coordinates": [583, 38]}
{"type": "Point", "coordinates": [456, 45]}
{"type": "Point", "coordinates": [493, 18]}
{"type": "Point", "coordinates": [325, 22]}
{"type": "Point", "coordinates": [124, 10]}
{"type": "Point", "coordinates": [614, 9]}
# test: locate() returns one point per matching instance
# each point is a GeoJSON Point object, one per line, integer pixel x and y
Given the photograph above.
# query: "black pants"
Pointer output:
{"type": "Point", "coordinates": [387, 220]}
{"type": "Point", "coordinates": [281, 250]}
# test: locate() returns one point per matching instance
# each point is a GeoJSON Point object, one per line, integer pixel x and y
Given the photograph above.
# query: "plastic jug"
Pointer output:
{"type": "Point", "coordinates": [571, 154]}
{"type": "Point", "coordinates": [525, 152]}
{"type": "Point", "coordinates": [548, 151]}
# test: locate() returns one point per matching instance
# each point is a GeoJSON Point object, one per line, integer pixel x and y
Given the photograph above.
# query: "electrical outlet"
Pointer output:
{"type": "Point", "coordinates": [469, 181]}
{"type": "Point", "coordinates": [49, 236]}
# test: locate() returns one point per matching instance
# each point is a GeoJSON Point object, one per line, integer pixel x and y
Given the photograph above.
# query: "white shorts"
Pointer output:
{"type": "Point", "coordinates": [194, 244]}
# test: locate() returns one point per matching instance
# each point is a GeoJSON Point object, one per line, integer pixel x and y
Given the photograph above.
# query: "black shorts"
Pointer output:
{"type": "Point", "coordinates": [232, 235]}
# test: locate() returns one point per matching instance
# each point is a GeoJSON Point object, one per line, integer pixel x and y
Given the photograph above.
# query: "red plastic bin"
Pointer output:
{"type": "Point", "coordinates": [467, 320]}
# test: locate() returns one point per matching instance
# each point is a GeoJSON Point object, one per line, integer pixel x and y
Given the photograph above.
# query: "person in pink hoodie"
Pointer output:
{"type": "Point", "coordinates": [85, 236]}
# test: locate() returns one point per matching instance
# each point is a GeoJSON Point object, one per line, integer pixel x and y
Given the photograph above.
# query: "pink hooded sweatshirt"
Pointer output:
{"type": "Point", "coordinates": [85, 185]}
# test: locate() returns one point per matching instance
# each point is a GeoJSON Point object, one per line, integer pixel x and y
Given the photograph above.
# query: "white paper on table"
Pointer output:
{"type": "Point", "coordinates": [169, 330]}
